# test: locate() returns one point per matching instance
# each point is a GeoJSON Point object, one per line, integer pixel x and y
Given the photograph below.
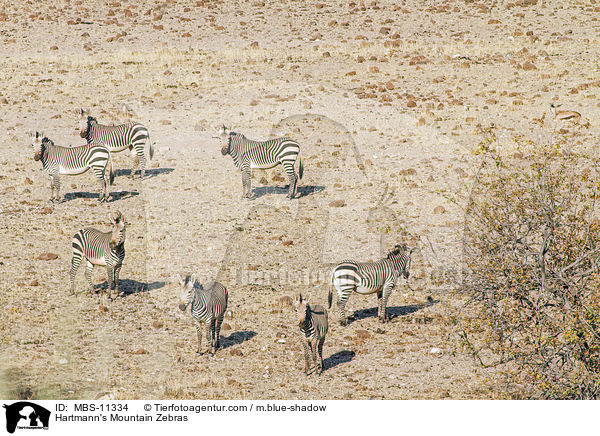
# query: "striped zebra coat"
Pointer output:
{"type": "Point", "coordinates": [133, 136]}
{"type": "Point", "coordinates": [100, 248]}
{"type": "Point", "coordinates": [312, 321]}
{"type": "Point", "coordinates": [58, 161]}
{"type": "Point", "coordinates": [248, 154]}
{"type": "Point", "coordinates": [369, 277]}
{"type": "Point", "coordinates": [207, 305]}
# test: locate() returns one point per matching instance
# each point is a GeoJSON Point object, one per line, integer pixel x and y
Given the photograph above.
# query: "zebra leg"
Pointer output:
{"type": "Point", "coordinates": [110, 278]}
{"type": "Point", "coordinates": [199, 334]}
{"type": "Point", "coordinates": [387, 290]}
{"type": "Point", "coordinates": [313, 347]}
{"type": "Point", "coordinates": [341, 303]}
{"type": "Point", "coordinates": [213, 336]}
{"type": "Point", "coordinates": [88, 275]}
{"type": "Point", "coordinates": [55, 181]}
{"type": "Point", "coordinates": [75, 261]}
{"type": "Point", "coordinates": [247, 182]}
{"type": "Point", "coordinates": [135, 162]}
{"type": "Point", "coordinates": [116, 279]}
{"type": "Point", "coordinates": [320, 355]}
{"type": "Point", "coordinates": [289, 169]}
{"type": "Point", "coordinates": [210, 328]}
{"type": "Point", "coordinates": [306, 346]}
{"type": "Point", "coordinates": [218, 332]}
{"type": "Point", "coordinates": [103, 180]}
{"type": "Point", "coordinates": [142, 159]}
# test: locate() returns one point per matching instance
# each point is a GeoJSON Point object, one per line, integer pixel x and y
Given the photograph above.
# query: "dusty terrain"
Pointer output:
{"type": "Point", "coordinates": [384, 98]}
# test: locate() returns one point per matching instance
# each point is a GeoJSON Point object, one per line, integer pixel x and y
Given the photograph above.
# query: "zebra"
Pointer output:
{"type": "Point", "coordinates": [208, 304]}
{"type": "Point", "coordinates": [249, 154]}
{"type": "Point", "coordinates": [312, 321]}
{"type": "Point", "coordinates": [117, 138]}
{"type": "Point", "coordinates": [100, 248]}
{"type": "Point", "coordinates": [369, 277]}
{"type": "Point", "coordinates": [58, 160]}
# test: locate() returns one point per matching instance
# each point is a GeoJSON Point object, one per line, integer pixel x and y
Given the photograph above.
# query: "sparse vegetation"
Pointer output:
{"type": "Point", "coordinates": [532, 252]}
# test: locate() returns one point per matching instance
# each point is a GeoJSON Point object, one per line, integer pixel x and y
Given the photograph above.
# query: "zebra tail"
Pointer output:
{"type": "Point", "coordinates": [111, 173]}
{"type": "Point", "coordinates": [151, 147]}
{"type": "Point", "coordinates": [330, 296]}
{"type": "Point", "coordinates": [301, 169]}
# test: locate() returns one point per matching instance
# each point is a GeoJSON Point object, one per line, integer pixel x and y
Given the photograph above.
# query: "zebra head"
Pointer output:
{"type": "Point", "coordinates": [224, 134]}
{"type": "Point", "coordinates": [400, 255]}
{"type": "Point", "coordinates": [301, 307]}
{"type": "Point", "coordinates": [38, 144]}
{"type": "Point", "coordinates": [186, 288]}
{"type": "Point", "coordinates": [118, 231]}
{"type": "Point", "coordinates": [84, 123]}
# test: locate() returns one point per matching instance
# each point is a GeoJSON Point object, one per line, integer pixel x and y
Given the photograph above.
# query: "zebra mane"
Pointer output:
{"type": "Point", "coordinates": [46, 140]}
{"type": "Point", "coordinates": [91, 118]}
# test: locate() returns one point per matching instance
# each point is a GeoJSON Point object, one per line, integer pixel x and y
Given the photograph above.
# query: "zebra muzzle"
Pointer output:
{"type": "Point", "coordinates": [82, 133]}
{"type": "Point", "coordinates": [223, 151]}
{"type": "Point", "coordinates": [37, 156]}
{"type": "Point", "coordinates": [182, 307]}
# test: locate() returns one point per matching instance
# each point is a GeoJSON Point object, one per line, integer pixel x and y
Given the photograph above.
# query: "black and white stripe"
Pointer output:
{"type": "Point", "coordinates": [207, 304]}
{"type": "Point", "coordinates": [248, 154]}
{"type": "Point", "coordinates": [312, 321]}
{"type": "Point", "coordinates": [73, 161]}
{"type": "Point", "coordinates": [369, 277]}
{"type": "Point", "coordinates": [100, 248]}
{"type": "Point", "coordinates": [133, 136]}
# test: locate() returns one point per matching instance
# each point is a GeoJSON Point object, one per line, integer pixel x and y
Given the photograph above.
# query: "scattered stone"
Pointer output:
{"type": "Point", "coordinates": [47, 256]}
{"type": "Point", "coordinates": [286, 300]}
{"type": "Point", "coordinates": [34, 283]}
{"type": "Point", "coordinates": [157, 324]}
{"type": "Point", "coordinates": [337, 203]}
{"type": "Point", "coordinates": [140, 351]}
{"type": "Point", "coordinates": [363, 334]}
{"type": "Point", "coordinates": [286, 243]}
{"type": "Point", "coordinates": [225, 326]}
{"type": "Point", "coordinates": [439, 210]}
{"type": "Point", "coordinates": [46, 210]}
{"type": "Point", "coordinates": [236, 352]}
{"type": "Point", "coordinates": [28, 181]}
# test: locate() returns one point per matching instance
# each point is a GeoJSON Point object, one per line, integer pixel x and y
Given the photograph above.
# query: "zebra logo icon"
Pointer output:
{"type": "Point", "coordinates": [26, 415]}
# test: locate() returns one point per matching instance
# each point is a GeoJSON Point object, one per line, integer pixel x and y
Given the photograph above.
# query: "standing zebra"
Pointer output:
{"type": "Point", "coordinates": [369, 277]}
{"type": "Point", "coordinates": [312, 321]}
{"type": "Point", "coordinates": [249, 154]}
{"type": "Point", "coordinates": [73, 161]}
{"type": "Point", "coordinates": [100, 248]}
{"type": "Point", "coordinates": [208, 304]}
{"type": "Point", "coordinates": [117, 138]}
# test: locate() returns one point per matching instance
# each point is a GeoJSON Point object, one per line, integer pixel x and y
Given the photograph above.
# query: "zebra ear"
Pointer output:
{"type": "Point", "coordinates": [193, 279]}
{"type": "Point", "coordinates": [180, 279]}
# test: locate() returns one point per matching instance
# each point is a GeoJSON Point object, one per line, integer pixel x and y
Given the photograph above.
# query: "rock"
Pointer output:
{"type": "Point", "coordinates": [47, 256]}
{"type": "Point", "coordinates": [286, 300]}
{"type": "Point", "coordinates": [411, 103]}
{"type": "Point", "coordinates": [140, 351]}
{"type": "Point", "coordinates": [46, 210]}
{"type": "Point", "coordinates": [363, 334]}
{"type": "Point", "coordinates": [436, 351]}
{"type": "Point", "coordinates": [439, 210]}
{"type": "Point", "coordinates": [102, 308]}
{"type": "Point", "coordinates": [28, 181]}
{"type": "Point", "coordinates": [337, 203]}
{"type": "Point", "coordinates": [263, 181]}
{"type": "Point", "coordinates": [286, 243]}
{"type": "Point", "coordinates": [254, 44]}
{"type": "Point", "coordinates": [63, 361]}
{"type": "Point", "coordinates": [225, 326]}
{"type": "Point", "coordinates": [236, 352]}
{"type": "Point", "coordinates": [408, 172]}
{"type": "Point", "coordinates": [34, 283]}
{"type": "Point", "coordinates": [157, 324]}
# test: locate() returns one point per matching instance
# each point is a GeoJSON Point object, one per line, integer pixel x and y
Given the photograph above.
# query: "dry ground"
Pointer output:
{"type": "Point", "coordinates": [384, 98]}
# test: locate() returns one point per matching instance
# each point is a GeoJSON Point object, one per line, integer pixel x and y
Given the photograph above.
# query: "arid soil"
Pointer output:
{"type": "Point", "coordinates": [385, 98]}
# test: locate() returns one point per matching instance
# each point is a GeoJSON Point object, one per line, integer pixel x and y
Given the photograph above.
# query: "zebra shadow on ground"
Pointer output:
{"type": "Point", "coordinates": [129, 287]}
{"type": "Point", "coordinates": [150, 173]}
{"type": "Point", "coordinates": [237, 338]}
{"type": "Point", "coordinates": [302, 191]}
{"type": "Point", "coordinates": [392, 312]}
{"type": "Point", "coordinates": [113, 196]}
{"type": "Point", "coordinates": [338, 358]}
